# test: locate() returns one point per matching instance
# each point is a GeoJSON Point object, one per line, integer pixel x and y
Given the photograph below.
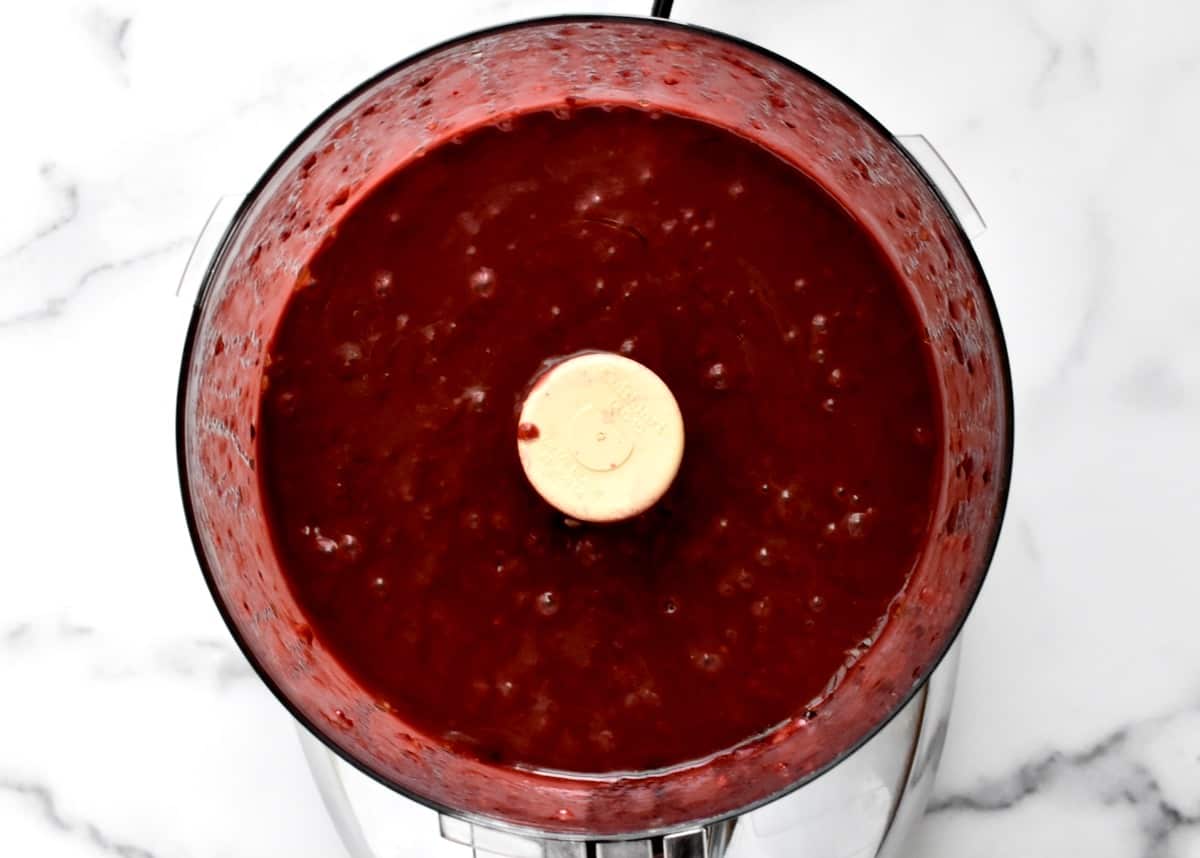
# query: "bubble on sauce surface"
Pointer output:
{"type": "Point", "coordinates": [788, 503]}
{"type": "Point", "coordinates": [587, 552]}
{"type": "Point", "coordinates": [644, 695]}
{"type": "Point", "coordinates": [473, 397]}
{"type": "Point", "coordinates": [348, 354]}
{"type": "Point", "coordinates": [816, 602]}
{"type": "Point", "coordinates": [508, 566]}
{"type": "Point", "coordinates": [350, 546]}
{"type": "Point", "coordinates": [322, 543]}
{"type": "Point", "coordinates": [717, 376]}
{"type": "Point", "coordinates": [588, 201]}
{"type": "Point", "coordinates": [547, 603]}
{"type": "Point", "coordinates": [483, 282]}
{"type": "Point", "coordinates": [856, 523]}
{"type": "Point", "coordinates": [706, 660]}
{"type": "Point", "coordinates": [285, 403]}
{"type": "Point", "coordinates": [604, 739]}
{"type": "Point", "coordinates": [736, 188]}
{"type": "Point", "coordinates": [628, 345]}
{"type": "Point", "coordinates": [382, 282]}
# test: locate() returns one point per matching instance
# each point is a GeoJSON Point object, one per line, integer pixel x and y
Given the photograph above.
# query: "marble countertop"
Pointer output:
{"type": "Point", "coordinates": [129, 723]}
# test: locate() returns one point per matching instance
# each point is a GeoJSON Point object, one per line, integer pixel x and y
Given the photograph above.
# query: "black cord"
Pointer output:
{"type": "Point", "coordinates": [662, 8]}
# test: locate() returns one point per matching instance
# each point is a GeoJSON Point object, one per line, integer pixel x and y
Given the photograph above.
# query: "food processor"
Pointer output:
{"type": "Point", "coordinates": [849, 783]}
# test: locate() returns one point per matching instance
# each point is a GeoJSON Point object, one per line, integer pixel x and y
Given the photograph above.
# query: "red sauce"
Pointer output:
{"type": "Point", "coordinates": [435, 573]}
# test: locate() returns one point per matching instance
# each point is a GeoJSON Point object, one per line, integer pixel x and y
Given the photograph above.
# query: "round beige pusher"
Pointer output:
{"type": "Point", "coordinates": [600, 437]}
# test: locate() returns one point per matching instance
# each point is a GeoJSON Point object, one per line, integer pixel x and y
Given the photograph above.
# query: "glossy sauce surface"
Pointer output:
{"type": "Point", "coordinates": [429, 566]}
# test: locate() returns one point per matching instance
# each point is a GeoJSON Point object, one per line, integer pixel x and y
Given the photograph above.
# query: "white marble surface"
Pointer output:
{"type": "Point", "coordinates": [129, 724]}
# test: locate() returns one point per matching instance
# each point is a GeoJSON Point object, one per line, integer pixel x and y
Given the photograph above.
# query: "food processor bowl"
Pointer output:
{"type": "Point", "coordinates": [560, 64]}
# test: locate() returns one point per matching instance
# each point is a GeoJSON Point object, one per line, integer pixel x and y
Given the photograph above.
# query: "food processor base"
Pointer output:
{"type": "Point", "coordinates": [863, 808]}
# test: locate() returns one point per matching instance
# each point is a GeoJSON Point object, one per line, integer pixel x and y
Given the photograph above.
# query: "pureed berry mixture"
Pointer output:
{"type": "Point", "coordinates": [439, 577]}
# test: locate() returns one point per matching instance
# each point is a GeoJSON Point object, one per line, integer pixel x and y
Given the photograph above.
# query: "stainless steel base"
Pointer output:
{"type": "Point", "coordinates": [864, 808]}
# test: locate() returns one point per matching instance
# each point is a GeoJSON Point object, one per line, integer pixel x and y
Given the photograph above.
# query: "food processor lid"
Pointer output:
{"type": "Point", "coordinates": [479, 77]}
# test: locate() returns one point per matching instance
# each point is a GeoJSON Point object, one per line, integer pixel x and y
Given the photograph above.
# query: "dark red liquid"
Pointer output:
{"type": "Point", "coordinates": [437, 575]}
